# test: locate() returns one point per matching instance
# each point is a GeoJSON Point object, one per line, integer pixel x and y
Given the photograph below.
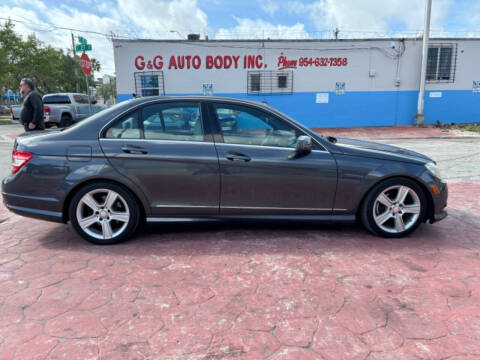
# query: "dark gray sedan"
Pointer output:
{"type": "Point", "coordinates": [206, 158]}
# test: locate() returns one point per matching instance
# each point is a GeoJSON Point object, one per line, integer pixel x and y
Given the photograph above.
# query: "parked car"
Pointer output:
{"type": "Point", "coordinates": [4, 109]}
{"type": "Point", "coordinates": [15, 112]}
{"type": "Point", "coordinates": [64, 109]}
{"type": "Point", "coordinates": [236, 159]}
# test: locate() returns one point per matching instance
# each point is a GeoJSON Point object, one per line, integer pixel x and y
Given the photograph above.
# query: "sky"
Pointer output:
{"type": "Point", "coordinates": [226, 19]}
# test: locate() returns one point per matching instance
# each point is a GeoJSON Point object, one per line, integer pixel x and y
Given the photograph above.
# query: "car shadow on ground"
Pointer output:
{"type": "Point", "coordinates": [170, 239]}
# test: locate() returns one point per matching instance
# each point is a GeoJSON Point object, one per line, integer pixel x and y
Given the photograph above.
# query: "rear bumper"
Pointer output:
{"type": "Point", "coordinates": [34, 207]}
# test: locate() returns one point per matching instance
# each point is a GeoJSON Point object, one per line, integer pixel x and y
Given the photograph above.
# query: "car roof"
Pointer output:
{"type": "Point", "coordinates": [144, 99]}
{"type": "Point", "coordinates": [64, 94]}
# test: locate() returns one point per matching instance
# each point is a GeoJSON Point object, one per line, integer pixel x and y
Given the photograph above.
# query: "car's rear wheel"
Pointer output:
{"type": "Point", "coordinates": [104, 213]}
{"type": "Point", "coordinates": [65, 121]}
{"type": "Point", "coordinates": [394, 208]}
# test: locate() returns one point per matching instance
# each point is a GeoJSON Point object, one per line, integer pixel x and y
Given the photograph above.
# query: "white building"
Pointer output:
{"type": "Point", "coordinates": [321, 83]}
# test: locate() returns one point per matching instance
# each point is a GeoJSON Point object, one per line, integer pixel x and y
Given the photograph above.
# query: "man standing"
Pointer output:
{"type": "Point", "coordinates": [31, 115]}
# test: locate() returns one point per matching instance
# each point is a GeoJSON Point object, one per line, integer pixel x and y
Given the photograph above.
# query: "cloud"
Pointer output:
{"type": "Point", "coordinates": [370, 16]}
{"type": "Point", "coordinates": [122, 17]}
{"type": "Point", "coordinates": [269, 6]}
{"type": "Point", "coordinates": [258, 29]}
{"type": "Point", "coordinates": [156, 18]}
{"type": "Point", "coordinates": [68, 18]}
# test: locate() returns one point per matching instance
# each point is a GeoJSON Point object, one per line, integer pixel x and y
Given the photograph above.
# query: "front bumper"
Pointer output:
{"type": "Point", "coordinates": [440, 216]}
{"type": "Point", "coordinates": [439, 203]}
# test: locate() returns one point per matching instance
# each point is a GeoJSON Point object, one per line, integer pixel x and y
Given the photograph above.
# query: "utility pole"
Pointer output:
{"type": "Point", "coordinates": [335, 33]}
{"type": "Point", "coordinates": [75, 59]}
{"type": "Point", "coordinates": [420, 117]}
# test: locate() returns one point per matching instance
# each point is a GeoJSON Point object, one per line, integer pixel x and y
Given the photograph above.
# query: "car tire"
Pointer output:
{"type": "Point", "coordinates": [111, 218]}
{"type": "Point", "coordinates": [65, 121]}
{"type": "Point", "coordinates": [394, 208]}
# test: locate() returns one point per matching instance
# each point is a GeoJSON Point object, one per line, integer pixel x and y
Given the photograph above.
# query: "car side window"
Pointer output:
{"type": "Point", "coordinates": [126, 128]}
{"type": "Point", "coordinates": [173, 121]}
{"type": "Point", "coordinates": [81, 99]}
{"type": "Point", "coordinates": [247, 126]}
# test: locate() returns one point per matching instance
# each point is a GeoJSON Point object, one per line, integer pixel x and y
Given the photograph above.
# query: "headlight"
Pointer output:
{"type": "Point", "coordinates": [433, 169]}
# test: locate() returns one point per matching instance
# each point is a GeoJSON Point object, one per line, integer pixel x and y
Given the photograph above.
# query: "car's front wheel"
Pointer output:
{"type": "Point", "coordinates": [394, 208]}
{"type": "Point", "coordinates": [104, 213]}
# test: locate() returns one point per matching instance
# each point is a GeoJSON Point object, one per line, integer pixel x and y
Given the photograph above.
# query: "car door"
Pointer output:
{"type": "Point", "coordinates": [258, 175]}
{"type": "Point", "coordinates": [82, 108]}
{"type": "Point", "coordinates": [164, 148]}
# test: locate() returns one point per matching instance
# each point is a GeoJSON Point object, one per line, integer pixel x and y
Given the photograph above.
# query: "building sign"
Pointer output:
{"type": "Point", "coordinates": [476, 87]}
{"type": "Point", "coordinates": [195, 62]}
{"type": "Point", "coordinates": [208, 89]}
{"type": "Point", "coordinates": [340, 88]}
{"type": "Point", "coordinates": [321, 98]}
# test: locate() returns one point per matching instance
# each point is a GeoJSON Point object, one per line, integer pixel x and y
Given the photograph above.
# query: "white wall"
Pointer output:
{"type": "Point", "coordinates": [362, 58]}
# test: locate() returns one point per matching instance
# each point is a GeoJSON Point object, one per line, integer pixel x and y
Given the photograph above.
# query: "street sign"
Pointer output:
{"type": "Point", "coordinates": [83, 47]}
{"type": "Point", "coordinates": [86, 64]}
{"type": "Point", "coordinates": [82, 40]}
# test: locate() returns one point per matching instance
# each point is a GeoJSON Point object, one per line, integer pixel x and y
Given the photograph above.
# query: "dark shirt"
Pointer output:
{"type": "Point", "coordinates": [32, 110]}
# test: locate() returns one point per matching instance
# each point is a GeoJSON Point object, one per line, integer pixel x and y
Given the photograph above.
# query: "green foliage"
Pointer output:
{"type": "Point", "coordinates": [51, 69]}
{"type": "Point", "coordinates": [108, 91]}
{"type": "Point", "coordinates": [473, 127]}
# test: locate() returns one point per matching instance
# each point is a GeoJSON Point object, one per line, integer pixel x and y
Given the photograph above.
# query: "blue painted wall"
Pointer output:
{"type": "Point", "coordinates": [369, 108]}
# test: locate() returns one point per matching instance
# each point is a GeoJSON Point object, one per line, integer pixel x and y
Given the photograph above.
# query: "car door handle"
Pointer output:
{"type": "Point", "coordinates": [232, 155]}
{"type": "Point", "coordinates": [132, 149]}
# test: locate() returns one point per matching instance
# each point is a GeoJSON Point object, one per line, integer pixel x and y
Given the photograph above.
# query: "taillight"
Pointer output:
{"type": "Point", "coordinates": [19, 159]}
{"type": "Point", "coordinates": [10, 110]}
{"type": "Point", "coordinates": [46, 109]}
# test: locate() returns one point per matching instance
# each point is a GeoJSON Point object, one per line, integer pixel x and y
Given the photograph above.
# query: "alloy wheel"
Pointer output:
{"type": "Point", "coordinates": [396, 209]}
{"type": "Point", "coordinates": [103, 214]}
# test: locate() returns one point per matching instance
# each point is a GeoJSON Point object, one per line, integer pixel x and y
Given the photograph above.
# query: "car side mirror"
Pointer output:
{"type": "Point", "coordinates": [303, 146]}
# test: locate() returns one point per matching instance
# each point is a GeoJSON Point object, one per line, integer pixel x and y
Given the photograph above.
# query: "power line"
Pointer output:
{"type": "Point", "coordinates": [262, 34]}
{"type": "Point", "coordinates": [55, 27]}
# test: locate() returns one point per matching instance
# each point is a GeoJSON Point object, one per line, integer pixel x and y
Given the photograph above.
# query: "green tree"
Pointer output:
{"type": "Point", "coordinates": [108, 91]}
{"type": "Point", "coordinates": [51, 69]}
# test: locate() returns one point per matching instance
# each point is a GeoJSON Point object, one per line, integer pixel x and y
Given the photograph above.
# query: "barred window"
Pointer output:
{"type": "Point", "coordinates": [149, 83]}
{"type": "Point", "coordinates": [441, 63]}
{"type": "Point", "coordinates": [270, 82]}
{"type": "Point", "coordinates": [255, 82]}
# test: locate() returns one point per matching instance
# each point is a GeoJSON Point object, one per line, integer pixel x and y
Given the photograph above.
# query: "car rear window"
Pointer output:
{"type": "Point", "coordinates": [56, 99]}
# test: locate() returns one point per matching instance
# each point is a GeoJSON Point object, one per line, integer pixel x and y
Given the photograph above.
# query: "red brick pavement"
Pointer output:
{"type": "Point", "coordinates": [243, 291]}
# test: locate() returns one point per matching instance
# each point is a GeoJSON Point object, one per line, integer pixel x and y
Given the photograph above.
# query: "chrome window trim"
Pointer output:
{"type": "Point", "coordinates": [207, 142]}
{"type": "Point", "coordinates": [141, 105]}
{"type": "Point", "coordinates": [272, 112]}
{"type": "Point", "coordinates": [200, 100]}
{"type": "Point", "coordinates": [160, 141]}
{"type": "Point", "coordinates": [264, 147]}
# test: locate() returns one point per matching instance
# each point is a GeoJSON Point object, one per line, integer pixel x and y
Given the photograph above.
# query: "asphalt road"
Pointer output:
{"type": "Point", "coordinates": [458, 158]}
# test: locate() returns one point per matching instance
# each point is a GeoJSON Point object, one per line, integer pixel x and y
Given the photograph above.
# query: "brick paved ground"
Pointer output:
{"type": "Point", "coordinates": [243, 292]}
